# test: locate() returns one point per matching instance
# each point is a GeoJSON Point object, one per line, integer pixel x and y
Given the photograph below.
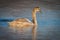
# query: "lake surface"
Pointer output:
{"type": "Point", "coordinates": [48, 21]}
{"type": "Point", "coordinates": [48, 29]}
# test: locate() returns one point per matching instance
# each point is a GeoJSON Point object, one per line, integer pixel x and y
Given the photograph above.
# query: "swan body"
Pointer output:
{"type": "Point", "coordinates": [21, 22]}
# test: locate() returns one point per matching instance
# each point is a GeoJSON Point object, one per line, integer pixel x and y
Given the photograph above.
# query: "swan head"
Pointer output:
{"type": "Point", "coordinates": [37, 9]}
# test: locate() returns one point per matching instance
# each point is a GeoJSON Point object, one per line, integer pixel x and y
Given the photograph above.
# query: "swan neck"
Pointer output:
{"type": "Point", "coordinates": [34, 17]}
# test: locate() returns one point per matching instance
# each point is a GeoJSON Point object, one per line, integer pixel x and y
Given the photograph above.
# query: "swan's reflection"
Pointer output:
{"type": "Point", "coordinates": [25, 33]}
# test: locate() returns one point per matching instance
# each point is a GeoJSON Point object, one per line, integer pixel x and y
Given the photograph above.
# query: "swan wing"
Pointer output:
{"type": "Point", "coordinates": [23, 20]}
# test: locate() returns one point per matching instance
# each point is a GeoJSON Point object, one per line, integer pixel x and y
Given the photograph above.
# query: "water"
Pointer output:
{"type": "Point", "coordinates": [48, 25]}
{"type": "Point", "coordinates": [47, 30]}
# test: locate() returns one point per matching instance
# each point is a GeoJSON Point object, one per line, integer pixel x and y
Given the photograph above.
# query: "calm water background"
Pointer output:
{"type": "Point", "coordinates": [48, 20]}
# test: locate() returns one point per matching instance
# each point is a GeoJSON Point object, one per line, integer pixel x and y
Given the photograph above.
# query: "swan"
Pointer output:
{"type": "Point", "coordinates": [26, 23]}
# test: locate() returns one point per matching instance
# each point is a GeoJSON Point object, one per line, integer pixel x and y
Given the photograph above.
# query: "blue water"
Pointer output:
{"type": "Point", "coordinates": [48, 26]}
